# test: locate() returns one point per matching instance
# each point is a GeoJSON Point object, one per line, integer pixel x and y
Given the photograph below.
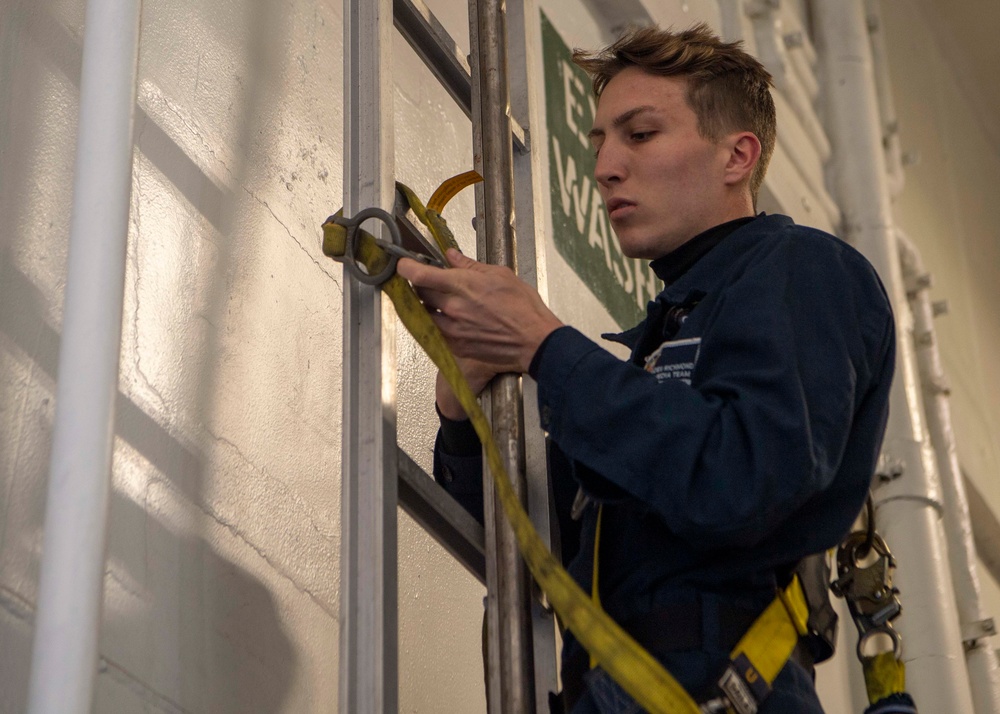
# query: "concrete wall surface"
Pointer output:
{"type": "Point", "coordinates": [221, 585]}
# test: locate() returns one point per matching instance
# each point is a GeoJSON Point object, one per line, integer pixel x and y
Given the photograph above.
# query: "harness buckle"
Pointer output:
{"type": "Point", "coordinates": [738, 692]}
{"type": "Point", "coordinates": [719, 705]}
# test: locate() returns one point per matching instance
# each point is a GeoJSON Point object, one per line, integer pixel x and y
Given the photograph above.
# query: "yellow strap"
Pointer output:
{"type": "Point", "coordinates": [451, 188]}
{"type": "Point", "coordinates": [884, 675]}
{"type": "Point", "coordinates": [770, 640]}
{"type": "Point", "coordinates": [638, 673]}
{"type": "Point", "coordinates": [430, 215]}
{"type": "Point", "coordinates": [595, 592]}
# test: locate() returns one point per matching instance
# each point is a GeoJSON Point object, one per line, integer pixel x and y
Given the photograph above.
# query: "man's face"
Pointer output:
{"type": "Point", "coordinates": [662, 182]}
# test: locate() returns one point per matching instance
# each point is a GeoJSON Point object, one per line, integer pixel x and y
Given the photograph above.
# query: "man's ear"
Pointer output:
{"type": "Point", "coordinates": [744, 151]}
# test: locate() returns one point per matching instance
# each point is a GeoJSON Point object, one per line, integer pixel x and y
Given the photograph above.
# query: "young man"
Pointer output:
{"type": "Point", "coordinates": [742, 433]}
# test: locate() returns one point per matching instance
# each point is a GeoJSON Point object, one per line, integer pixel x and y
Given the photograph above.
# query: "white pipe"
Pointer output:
{"type": "Point", "coordinates": [908, 507]}
{"type": "Point", "coordinates": [802, 58]}
{"type": "Point", "coordinates": [984, 672]}
{"type": "Point", "coordinates": [887, 108]}
{"type": "Point", "coordinates": [64, 658]}
{"type": "Point", "coordinates": [771, 49]}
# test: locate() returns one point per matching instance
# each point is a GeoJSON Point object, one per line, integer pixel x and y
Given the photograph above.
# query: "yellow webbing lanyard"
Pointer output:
{"type": "Point", "coordinates": [771, 638]}
{"type": "Point", "coordinates": [884, 676]}
{"type": "Point", "coordinates": [595, 592]}
{"type": "Point", "coordinates": [613, 649]}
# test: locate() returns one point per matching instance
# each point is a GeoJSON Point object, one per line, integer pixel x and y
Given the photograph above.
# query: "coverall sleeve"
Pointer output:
{"type": "Point", "coordinates": [458, 467]}
{"type": "Point", "coordinates": [788, 352]}
{"type": "Point", "coordinates": [458, 464]}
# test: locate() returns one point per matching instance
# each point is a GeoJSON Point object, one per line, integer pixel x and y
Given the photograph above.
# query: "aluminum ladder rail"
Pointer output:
{"type": "Point", "coordinates": [375, 471]}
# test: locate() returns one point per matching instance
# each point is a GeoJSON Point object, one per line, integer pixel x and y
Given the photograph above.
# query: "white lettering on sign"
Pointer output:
{"type": "Point", "coordinates": [574, 195]}
{"type": "Point", "coordinates": [582, 231]}
{"type": "Point", "coordinates": [575, 91]}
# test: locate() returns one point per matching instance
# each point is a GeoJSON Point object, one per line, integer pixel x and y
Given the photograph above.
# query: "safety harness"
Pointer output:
{"type": "Point", "coordinates": [760, 654]}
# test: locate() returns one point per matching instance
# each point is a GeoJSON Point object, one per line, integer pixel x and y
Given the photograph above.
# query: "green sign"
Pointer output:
{"type": "Point", "coordinates": [581, 229]}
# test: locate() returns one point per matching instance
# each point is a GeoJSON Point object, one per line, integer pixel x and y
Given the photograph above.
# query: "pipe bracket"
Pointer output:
{"type": "Point", "coordinates": [972, 632]}
{"type": "Point", "coordinates": [906, 470]}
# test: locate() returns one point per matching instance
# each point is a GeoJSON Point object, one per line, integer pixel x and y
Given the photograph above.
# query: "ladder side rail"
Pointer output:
{"type": "Point", "coordinates": [524, 43]}
{"type": "Point", "coordinates": [368, 607]}
{"type": "Point", "coordinates": [510, 675]}
{"type": "Point", "coordinates": [442, 56]}
{"type": "Point", "coordinates": [420, 496]}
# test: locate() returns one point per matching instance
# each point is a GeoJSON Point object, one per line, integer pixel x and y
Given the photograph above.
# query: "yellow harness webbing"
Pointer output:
{"type": "Point", "coordinates": [595, 592]}
{"type": "Point", "coordinates": [769, 642]}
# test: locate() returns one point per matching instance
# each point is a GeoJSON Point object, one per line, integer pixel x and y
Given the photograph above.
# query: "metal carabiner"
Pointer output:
{"type": "Point", "coordinates": [350, 259]}
{"type": "Point", "coordinates": [868, 588]}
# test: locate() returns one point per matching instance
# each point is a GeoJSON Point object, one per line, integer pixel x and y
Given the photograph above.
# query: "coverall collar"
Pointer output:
{"type": "Point", "coordinates": [680, 264]}
{"type": "Point", "coordinates": [674, 264]}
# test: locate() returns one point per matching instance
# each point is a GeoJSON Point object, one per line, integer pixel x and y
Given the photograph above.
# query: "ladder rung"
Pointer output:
{"type": "Point", "coordinates": [428, 38]}
{"type": "Point", "coordinates": [439, 514]}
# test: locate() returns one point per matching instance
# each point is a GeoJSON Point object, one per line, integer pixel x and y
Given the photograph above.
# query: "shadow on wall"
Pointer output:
{"type": "Point", "coordinates": [65, 53]}
{"type": "Point", "coordinates": [185, 628]}
{"type": "Point", "coordinates": [183, 625]}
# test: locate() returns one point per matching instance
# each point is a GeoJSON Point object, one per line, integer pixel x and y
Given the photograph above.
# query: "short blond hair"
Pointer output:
{"type": "Point", "coordinates": [728, 89]}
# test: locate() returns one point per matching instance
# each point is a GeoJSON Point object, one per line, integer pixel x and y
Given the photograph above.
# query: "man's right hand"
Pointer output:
{"type": "Point", "coordinates": [485, 312]}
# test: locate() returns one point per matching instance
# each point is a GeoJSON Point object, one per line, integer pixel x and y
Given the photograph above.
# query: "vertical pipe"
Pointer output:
{"type": "Point", "coordinates": [908, 507]}
{"type": "Point", "coordinates": [887, 108]}
{"type": "Point", "coordinates": [368, 592]}
{"type": "Point", "coordinates": [64, 658]}
{"type": "Point", "coordinates": [510, 680]}
{"type": "Point", "coordinates": [984, 672]}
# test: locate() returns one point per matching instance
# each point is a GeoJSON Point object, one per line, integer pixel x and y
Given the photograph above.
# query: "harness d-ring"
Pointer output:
{"type": "Point", "coordinates": [350, 259]}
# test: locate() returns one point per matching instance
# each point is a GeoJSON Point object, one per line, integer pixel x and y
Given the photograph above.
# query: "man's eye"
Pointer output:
{"type": "Point", "coordinates": [641, 135]}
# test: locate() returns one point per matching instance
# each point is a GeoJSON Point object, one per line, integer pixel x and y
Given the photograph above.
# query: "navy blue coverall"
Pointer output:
{"type": "Point", "coordinates": [740, 437]}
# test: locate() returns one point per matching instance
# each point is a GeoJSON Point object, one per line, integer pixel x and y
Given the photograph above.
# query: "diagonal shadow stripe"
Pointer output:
{"type": "Point", "coordinates": [23, 321]}
{"type": "Point", "coordinates": [65, 52]}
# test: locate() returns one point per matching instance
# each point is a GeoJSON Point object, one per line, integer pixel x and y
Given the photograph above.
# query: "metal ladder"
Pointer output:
{"type": "Point", "coordinates": [376, 474]}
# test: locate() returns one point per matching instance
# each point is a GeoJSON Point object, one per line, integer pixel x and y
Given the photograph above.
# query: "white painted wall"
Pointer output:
{"type": "Point", "coordinates": [221, 583]}
{"type": "Point", "coordinates": [221, 587]}
{"type": "Point", "coordinates": [948, 207]}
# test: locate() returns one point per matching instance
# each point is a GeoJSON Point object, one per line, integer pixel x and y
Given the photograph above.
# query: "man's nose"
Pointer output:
{"type": "Point", "coordinates": [610, 168]}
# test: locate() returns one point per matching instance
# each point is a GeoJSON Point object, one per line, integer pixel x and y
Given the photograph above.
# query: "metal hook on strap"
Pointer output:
{"type": "Point", "coordinates": [867, 587]}
{"type": "Point", "coordinates": [346, 249]}
{"type": "Point", "coordinates": [350, 257]}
